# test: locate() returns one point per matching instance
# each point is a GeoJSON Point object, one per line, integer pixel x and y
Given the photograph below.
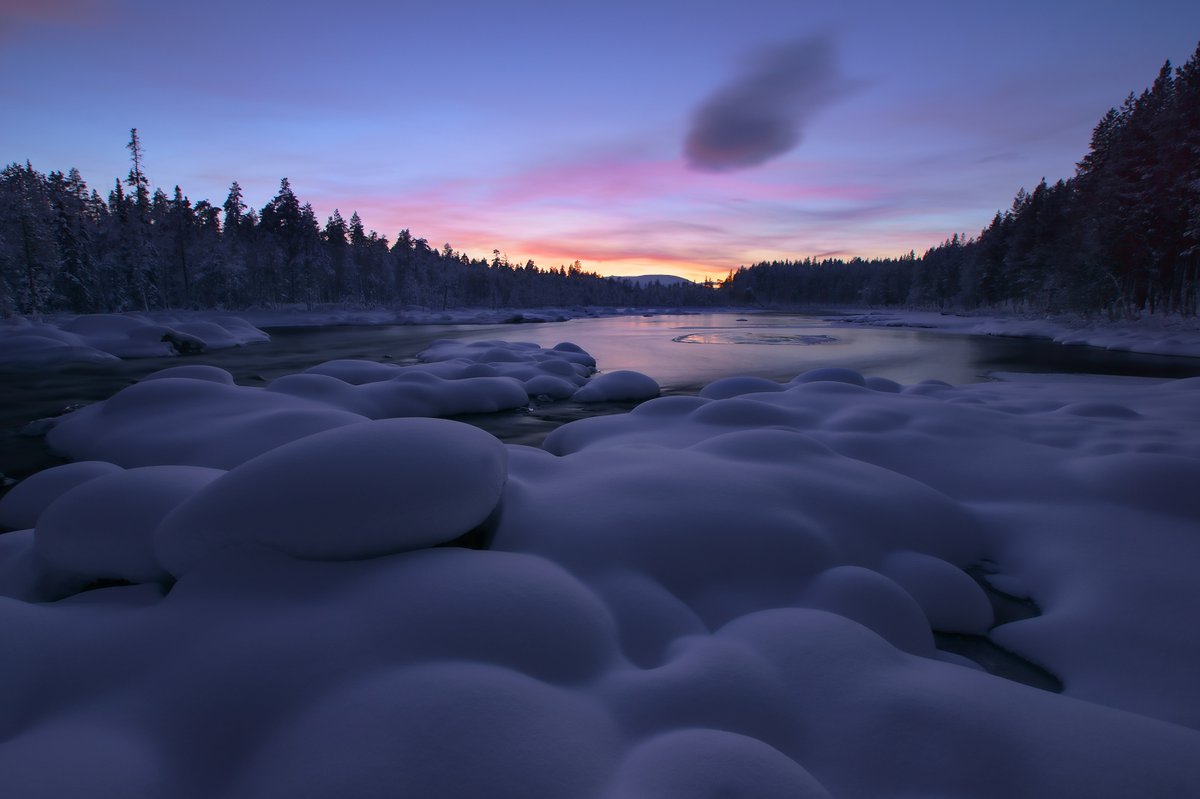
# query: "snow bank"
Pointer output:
{"type": "Point", "coordinates": [99, 338]}
{"type": "Point", "coordinates": [299, 316]}
{"type": "Point", "coordinates": [1149, 336]}
{"type": "Point", "coordinates": [736, 593]}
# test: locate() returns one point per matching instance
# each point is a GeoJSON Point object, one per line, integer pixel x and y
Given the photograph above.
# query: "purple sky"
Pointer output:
{"type": "Point", "coordinates": [635, 135]}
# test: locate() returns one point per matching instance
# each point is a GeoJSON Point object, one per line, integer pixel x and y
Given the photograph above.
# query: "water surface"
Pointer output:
{"type": "Point", "coordinates": [682, 352]}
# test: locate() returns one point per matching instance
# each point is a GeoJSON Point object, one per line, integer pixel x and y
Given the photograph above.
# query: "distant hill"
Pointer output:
{"type": "Point", "coordinates": [646, 280]}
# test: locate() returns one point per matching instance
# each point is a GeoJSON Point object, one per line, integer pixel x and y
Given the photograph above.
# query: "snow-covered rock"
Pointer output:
{"type": "Point", "coordinates": [623, 385]}
{"type": "Point", "coordinates": [358, 491]}
{"type": "Point", "coordinates": [738, 592]}
{"type": "Point", "coordinates": [100, 338]}
{"type": "Point", "coordinates": [21, 506]}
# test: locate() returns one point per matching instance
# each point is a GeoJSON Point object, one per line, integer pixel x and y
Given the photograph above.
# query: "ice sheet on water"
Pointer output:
{"type": "Point", "coordinates": [733, 592]}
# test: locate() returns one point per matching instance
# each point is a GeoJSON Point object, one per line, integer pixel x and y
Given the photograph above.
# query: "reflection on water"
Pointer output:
{"type": "Point", "coordinates": [751, 337]}
{"type": "Point", "coordinates": [682, 353]}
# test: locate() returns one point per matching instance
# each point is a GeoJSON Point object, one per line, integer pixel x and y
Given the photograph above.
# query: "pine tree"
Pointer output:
{"type": "Point", "coordinates": [137, 180]}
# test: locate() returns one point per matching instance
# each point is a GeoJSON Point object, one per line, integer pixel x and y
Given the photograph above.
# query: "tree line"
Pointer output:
{"type": "Point", "coordinates": [1120, 238]}
{"type": "Point", "coordinates": [63, 247]}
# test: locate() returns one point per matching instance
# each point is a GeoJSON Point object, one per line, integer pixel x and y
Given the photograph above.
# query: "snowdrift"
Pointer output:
{"type": "Point", "coordinates": [101, 338]}
{"type": "Point", "coordinates": [740, 593]}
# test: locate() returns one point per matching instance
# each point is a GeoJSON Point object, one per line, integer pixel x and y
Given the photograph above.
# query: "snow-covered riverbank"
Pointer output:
{"type": "Point", "coordinates": [731, 592]}
{"type": "Point", "coordinates": [98, 338]}
{"type": "Point", "coordinates": [1149, 335]}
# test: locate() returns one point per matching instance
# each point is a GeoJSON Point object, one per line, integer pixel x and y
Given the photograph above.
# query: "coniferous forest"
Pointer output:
{"type": "Point", "coordinates": [63, 247]}
{"type": "Point", "coordinates": [1120, 238]}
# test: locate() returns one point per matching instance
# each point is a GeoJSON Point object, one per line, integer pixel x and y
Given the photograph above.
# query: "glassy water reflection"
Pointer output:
{"type": "Point", "coordinates": [686, 352]}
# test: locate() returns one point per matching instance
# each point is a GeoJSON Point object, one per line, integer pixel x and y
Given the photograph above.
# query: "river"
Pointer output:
{"type": "Point", "coordinates": [682, 352]}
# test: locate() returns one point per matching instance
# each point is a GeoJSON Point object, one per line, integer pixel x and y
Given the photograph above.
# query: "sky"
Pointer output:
{"type": "Point", "coordinates": [637, 136]}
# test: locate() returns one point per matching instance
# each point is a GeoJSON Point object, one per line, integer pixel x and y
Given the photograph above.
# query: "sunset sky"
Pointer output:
{"type": "Point", "coordinates": [637, 136]}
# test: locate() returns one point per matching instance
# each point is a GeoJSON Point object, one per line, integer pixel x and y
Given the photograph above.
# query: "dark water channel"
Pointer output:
{"type": "Point", "coordinates": [682, 352]}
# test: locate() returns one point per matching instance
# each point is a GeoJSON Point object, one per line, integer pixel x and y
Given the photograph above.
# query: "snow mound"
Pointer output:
{"type": "Point", "coordinates": [354, 492]}
{"type": "Point", "coordinates": [21, 507]}
{"type": "Point", "coordinates": [737, 593]}
{"type": "Point", "coordinates": [99, 338]}
{"type": "Point", "coordinates": [554, 372]}
{"type": "Point", "coordinates": [104, 528]}
{"type": "Point", "coordinates": [40, 346]}
{"type": "Point", "coordinates": [496, 351]}
{"type": "Point", "coordinates": [728, 387]}
{"type": "Point", "coordinates": [620, 386]}
{"type": "Point", "coordinates": [190, 421]}
{"type": "Point", "coordinates": [196, 415]}
{"type": "Point", "coordinates": [457, 378]}
{"type": "Point", "coordinates": [700, 762]}
{"type": "Point", "coordinates": [407, 392]}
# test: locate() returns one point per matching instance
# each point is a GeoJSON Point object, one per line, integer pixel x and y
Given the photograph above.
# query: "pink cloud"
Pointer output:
{"type": "Point", "coordinates": [628, 216]}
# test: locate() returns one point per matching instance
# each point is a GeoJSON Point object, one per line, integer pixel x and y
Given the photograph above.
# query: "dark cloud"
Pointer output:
{"type": "Point", "coordinates": [763, 112]}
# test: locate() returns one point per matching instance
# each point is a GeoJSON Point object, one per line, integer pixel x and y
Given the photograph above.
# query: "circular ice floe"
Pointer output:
{"type": "Point", "coordinates": [353, 492]}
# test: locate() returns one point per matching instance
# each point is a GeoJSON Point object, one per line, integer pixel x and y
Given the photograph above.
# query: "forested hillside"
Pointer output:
{"type": "Point", "coordinates": [1121, 237]}
{"type": "Point", "coordinates": [65, 248]}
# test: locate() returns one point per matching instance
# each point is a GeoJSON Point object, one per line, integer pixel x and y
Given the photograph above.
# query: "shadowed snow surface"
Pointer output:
{"type": "Point", "coordinates": [97, 338]}
{"type": "Point", "coordinates": [239, 592]}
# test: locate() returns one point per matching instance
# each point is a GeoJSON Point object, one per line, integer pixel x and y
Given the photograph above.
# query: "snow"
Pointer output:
{"type": "Point", "coordinates": [197, 415]}
{"type": "Point", "coordinates": [248, 592]}
{"type": "Point", "coordinates": [416, 315]}
{"type": "Point", "coordinates": [386, 486]}
{"type": "Point", "coordinates": [128, 507]}
{"type": "Point", "coordinates": [1149, 335]}
{"type": "Point", "coordinates": [623, 385]}
{"type": "Point", "coordinates": [21, 507]}
{"type": "Point", "coordinates": [104, 338]}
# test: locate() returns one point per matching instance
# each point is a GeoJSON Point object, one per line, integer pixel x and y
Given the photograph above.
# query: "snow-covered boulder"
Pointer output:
{"type": "Point", "coordinates": [358, 491]}
{"type": "Point", "coordinates": [622, 385]}
{"type": "Point", "coordinates": [104, 528]}
{"type": "Point", "coordinates": [24, 503]}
